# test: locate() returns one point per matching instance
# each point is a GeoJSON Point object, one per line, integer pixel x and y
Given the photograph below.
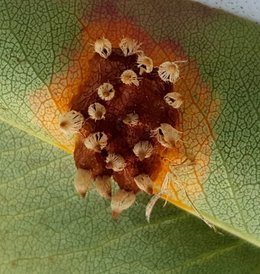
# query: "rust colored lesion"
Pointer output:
{"type": "Point", "coordinates": [77, 88]}
{"type": "Point", "coordinates": [145, 100]}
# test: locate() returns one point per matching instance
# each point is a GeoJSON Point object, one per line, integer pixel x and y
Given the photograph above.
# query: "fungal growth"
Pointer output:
{"type": "Point", "coordinates": [129, 46]}
{"type": "Point", "coordinates": [106, 92]}
{"type": "Point", "coordinates": [144, 182]}
{"type": "Point", "coordinates": [125, 117]}
{"type": "Point", "coordinates": [103, 47]}
{"type": "Point", "coordinates": [129, 77]}
{"type": "Point", "coordinates": [174, 99]}
{"type": "Point", "coordinates": [96, 111]}
{"type": "Point", "coordinates": [96, 141]}
{"type": "Point", "coordinates": [167, 135]}
{"type": "Point", "coordinates": [71, 122]}
{"type": "Point", "coordinates": [131, 119]}
{"type": "Point", "coordinates": [104, 186]}
{"type": "Point", "coordinates": [83, 181]}
{"type": "Point", "coordinates": [169, 72]}
{"type": "Point", "coordinates": [115, 162]}
{"type": "Point", "coordinates": [143, 149]}
{"type": "Point", "coordinates": [145, 64]}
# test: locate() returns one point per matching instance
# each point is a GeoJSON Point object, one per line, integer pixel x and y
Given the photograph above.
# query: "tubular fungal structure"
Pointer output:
{"type": "Point", "coordinates": [125, 118]}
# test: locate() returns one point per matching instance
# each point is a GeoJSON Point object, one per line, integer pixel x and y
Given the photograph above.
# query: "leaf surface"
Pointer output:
{"type": "Point", "coordinates": [46, 228]}
{"type": "Point", "coordinates": [44, 49]}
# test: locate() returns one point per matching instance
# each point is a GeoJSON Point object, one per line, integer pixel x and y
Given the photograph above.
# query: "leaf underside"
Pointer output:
{"type": "Point", "coordinates": [46, 228]}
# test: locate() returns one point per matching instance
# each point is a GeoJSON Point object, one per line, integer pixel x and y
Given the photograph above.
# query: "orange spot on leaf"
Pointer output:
{"type": "Point", "coordinates": [200, 109]}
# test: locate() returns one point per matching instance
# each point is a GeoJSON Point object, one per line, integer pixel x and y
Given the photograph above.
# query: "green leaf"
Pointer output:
{"type": "Point", "coordinates": [44, 227]}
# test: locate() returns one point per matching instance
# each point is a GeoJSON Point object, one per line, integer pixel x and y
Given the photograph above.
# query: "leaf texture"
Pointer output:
{"type": "Point", "coordinates": [46, 228]}
{"type": "Point", "coordinates": [44, 52]}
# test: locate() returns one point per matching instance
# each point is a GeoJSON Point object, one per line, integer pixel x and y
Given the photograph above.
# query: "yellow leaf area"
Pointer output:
{"type": "Point", "coordinates": [188, 163]}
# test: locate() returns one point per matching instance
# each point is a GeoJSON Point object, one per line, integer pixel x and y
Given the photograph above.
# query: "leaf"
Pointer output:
{"type": "Point", "coordinates": [44, 48]}
{"type": "Point", "coordinates": [46, 228]}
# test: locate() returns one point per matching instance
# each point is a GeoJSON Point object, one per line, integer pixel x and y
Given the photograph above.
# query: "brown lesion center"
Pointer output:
{"type": "Point", "coordinates": [146, 100]}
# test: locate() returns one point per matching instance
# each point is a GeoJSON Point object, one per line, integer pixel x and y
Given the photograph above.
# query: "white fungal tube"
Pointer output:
{"type": "Point", "coordinates": [122, 200]}
{"type": "Point", "coordinates": [83, 181]}
{"type": "Point", "coordinates": [106, 92]}
{"type": "Point", "coordinates": [104, 186]}
{"type": "Point", "coordinates": [143, 149]}
{"type": "Point", "coordinates": [155, 198]}
{"type": "Point", "coordinates": [174, 99]}
{"type": "Point", "coordinates": [145, 64]}
{"type": "Point", "coordinates": [131, 119]}
{"type": "Point", "coordinates": [115, 162]}
{"type": "Point", "coordinates": [96, 141]}
{"type": "Point", "coordinates": [96, 111]}
{"type": "Point", "coordinates": [129, 77]}
{"type": "Point", "coordinates": [103, 47]}
{"type": "Point", "coordinates": [71, 122]}
{"type": "Point", "coordinates": [167, 135]}
{"type": "Point", "coordinates": [144, 182]}
{"type": "Point", "coordinates": [169, 72]}
{"type": "Point", "coordinates": [129, 46]}
{"type": "Point", "coordinates": [150, 206]}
